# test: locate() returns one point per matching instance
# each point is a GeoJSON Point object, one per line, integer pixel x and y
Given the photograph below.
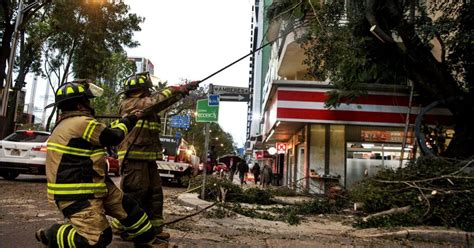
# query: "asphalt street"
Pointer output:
{"type": "Point", "coordinates": [24, 209]}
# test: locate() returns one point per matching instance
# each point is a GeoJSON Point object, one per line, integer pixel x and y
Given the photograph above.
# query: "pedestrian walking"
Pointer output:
{"type": "Point", "coordinates": [76, 172]}
{"type": "Point", "coordinates": [256, 172]}
{"type": "Point", "coordinates": [266, 174]}
{"type": "Point", "coordinates": [232, 169]}
{"type": "Point", "coordinates": [243, 168]}
{"type": "Point", "coordinates": [140, 178]}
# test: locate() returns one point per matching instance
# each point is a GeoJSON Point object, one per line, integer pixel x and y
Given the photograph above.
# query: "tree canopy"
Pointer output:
{"type": "Point", "coordinates": [353, 43]}
{"type": "Point", "coordinates": [62, 39]}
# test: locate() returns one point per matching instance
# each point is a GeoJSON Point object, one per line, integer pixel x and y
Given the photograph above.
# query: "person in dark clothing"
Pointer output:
{"type": "Point", "coordinates": [243, 168]}
{"type": "Point", "coordinates": [266, 174]}
{"type": "Point", "coordinates": [256, 172]}
{"type": "Point", "coordinates": [232, 169]}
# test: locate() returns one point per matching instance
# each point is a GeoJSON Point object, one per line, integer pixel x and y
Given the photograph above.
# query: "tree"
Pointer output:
{"type": "Point", "coordinates": [30, 44]}
{"type": "Point", "coordinates": [340, 46]}
{"type": "Point", "coordinates": [222, 141]}
{"type": "Point", "coordinates": [8, 17]}
{"type": "Point", "coordinates": [75, 39]}
{"type": "Point", "coordinates": [118, 68]}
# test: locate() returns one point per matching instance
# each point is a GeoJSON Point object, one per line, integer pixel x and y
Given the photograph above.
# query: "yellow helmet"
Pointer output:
{"type": "Point", "coordinates": [81, 88]}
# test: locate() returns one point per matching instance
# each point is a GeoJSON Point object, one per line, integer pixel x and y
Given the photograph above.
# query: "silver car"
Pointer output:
{"type": "Point", "coordinates": [23, 152]}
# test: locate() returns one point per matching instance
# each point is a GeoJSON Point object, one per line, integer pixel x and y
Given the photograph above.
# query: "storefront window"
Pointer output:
{"type": "Point", "coordinates": [366, 159]}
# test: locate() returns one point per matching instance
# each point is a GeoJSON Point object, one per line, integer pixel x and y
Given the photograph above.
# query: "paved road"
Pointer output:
{"type": "Point", "coordinates": [24, 209]}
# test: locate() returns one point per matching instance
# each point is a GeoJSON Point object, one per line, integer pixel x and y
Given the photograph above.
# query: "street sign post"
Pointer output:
{"type": "Point", "coordinates": [221, 89]}
{"type": "Point", "coordinates": [206, 113]}
{"type": "Point", "coordinates": [235, 98]}
{"type": "Point", "coordinates": [231, 93]}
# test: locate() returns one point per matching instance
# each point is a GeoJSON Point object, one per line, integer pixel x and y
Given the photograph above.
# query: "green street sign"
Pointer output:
{"type": "Point", "coordinates": [206, 113]}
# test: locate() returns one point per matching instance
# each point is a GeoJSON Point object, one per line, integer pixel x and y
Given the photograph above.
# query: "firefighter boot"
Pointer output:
{"type": "Point", "coordinates": [163, 236]}
{"type": "Point", "coordinates": [40, 235]}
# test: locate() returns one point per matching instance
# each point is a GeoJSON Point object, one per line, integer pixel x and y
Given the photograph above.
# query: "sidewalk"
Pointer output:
{"type": "Point", "coordinates": [331, 228]}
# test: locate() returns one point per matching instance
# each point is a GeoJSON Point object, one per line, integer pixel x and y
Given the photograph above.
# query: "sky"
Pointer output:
{"type": "Point", "coordinates": [189, 39]}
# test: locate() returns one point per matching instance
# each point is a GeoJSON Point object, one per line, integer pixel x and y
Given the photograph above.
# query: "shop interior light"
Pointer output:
{"type": "Point", "coordinates": [272, 150]}
{"type": "Point", "coordinates": [368, 146]}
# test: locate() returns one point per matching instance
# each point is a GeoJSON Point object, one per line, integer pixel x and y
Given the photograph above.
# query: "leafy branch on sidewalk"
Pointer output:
{"type": "Point", "coordinates": [259, 203]}
{"type": "Point", "coordinates": [431, 191]}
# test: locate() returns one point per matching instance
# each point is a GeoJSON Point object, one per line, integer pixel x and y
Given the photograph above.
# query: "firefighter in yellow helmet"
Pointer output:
{"type": "Point", "coordinates": [77, 175]}
{"type": "Point", "coordinates": [141, 147]}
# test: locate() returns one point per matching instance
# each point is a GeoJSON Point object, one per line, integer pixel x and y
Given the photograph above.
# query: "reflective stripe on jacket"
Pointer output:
{"type": "Point", "coordinates": [147, 145]}
{"type": "Point", "coordinates": [75, 159]}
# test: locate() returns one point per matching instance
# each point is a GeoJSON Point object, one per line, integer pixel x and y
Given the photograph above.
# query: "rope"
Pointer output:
{"type": "Point", "coordinates": [188, 216]}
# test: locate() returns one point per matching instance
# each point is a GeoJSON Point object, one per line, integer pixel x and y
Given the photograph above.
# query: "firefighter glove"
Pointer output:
{"type": "Point", "coordinates": [192, 85]}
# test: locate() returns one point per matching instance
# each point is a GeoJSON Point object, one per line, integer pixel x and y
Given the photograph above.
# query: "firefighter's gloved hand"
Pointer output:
{"type": "Point", "coordinates": [192, 85]}
{"type": "Point", "coordinates": [180, 89]}
{"type": "Point", "coordinates": [138, 113]}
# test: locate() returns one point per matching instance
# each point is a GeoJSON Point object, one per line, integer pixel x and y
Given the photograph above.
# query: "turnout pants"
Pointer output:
{"type": "Point", "coordinates": [141, 181]}
{"type": "Point", "coordinates": [89, 227]}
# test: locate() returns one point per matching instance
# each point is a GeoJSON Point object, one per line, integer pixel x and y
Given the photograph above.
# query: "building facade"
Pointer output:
{"type": "Point", "coordinates": [313, 147]}
{"type": "Point", "coordinates": [258, 69]}
{"type": "Point", "coordinates": [143, 64]}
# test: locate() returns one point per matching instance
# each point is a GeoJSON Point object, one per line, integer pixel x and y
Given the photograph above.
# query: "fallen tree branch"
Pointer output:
{"type": "Point", "coordinates": [427, 179]}
{"type": "Point", "coordinates": [387, 212]}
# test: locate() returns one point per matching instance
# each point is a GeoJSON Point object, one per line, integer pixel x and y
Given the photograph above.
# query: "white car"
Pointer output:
{"type": "Point", "coordinates": [23, 152]}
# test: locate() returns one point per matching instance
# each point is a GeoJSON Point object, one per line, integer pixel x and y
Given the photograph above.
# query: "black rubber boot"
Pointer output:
{"type": "Point", "coordinates": [40, 235]}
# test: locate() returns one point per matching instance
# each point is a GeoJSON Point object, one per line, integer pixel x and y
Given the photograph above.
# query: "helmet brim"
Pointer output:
{"type": "Point", "coordinates": [68, 99]}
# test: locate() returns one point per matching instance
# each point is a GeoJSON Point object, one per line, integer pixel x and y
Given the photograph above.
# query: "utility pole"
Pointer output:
{"type": "Point", "coordinates": [10, 116]}
{"type": "Point", "coordinates": [11, 60]}
{"type": "Point", "coordinates": [206, 146]}
{"type": "Point", "coordinates": [407, 123]}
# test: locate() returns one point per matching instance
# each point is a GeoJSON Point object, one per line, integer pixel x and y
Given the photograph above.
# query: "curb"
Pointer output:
{"type": "Point", "coordinates": [451, 236]}
{"type": "Point", "coordinates": [192, 200]}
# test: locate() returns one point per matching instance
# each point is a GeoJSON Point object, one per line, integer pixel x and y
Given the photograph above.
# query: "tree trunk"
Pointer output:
{"type": "Point", "coordinates": [5, 52]}
{"type": "Point", "coordinates": [388, 212]}
{"type": "Point", "coordinates": [463, 140]}
{"type": "Point", "coordinates": [432, 78]}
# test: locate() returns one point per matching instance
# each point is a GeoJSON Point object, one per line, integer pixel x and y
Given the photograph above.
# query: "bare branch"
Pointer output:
{"type": "Point", "coordinates": [69, 61]}
{"type": "Point", "coordinates": [443, 47]}
{"type": "Point", "coordinates": [388, 212]}
{"type": "Point", "coordinates": [288, 10]}
{"type": "Point", "coordinates": [426, 180]}
{"type": "Point", "coordinates": [375, 27]}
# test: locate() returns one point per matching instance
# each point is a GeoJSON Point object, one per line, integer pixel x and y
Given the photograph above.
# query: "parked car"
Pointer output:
{"type": "Point", "coordinates": [23, 152]}
{"type": "Point", "coordinates": [113, 165]}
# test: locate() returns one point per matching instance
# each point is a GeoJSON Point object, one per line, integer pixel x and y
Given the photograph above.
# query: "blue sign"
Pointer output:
{"type": "Point", "coordinates": [213, 100]}
{"type": "Point", "coordinates": [180, 121]}
{"type": "Point", "coordinates": [178, 135]}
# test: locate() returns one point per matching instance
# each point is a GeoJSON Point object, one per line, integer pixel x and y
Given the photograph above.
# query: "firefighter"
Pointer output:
{"type": "Point", "coordinates": [140, 178]}
{"type": "Point", "coordinates": [77, 178]}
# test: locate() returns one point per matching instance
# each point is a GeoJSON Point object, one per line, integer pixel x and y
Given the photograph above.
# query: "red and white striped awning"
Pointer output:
{"type": "Point", "coordinates": [296, 104]}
